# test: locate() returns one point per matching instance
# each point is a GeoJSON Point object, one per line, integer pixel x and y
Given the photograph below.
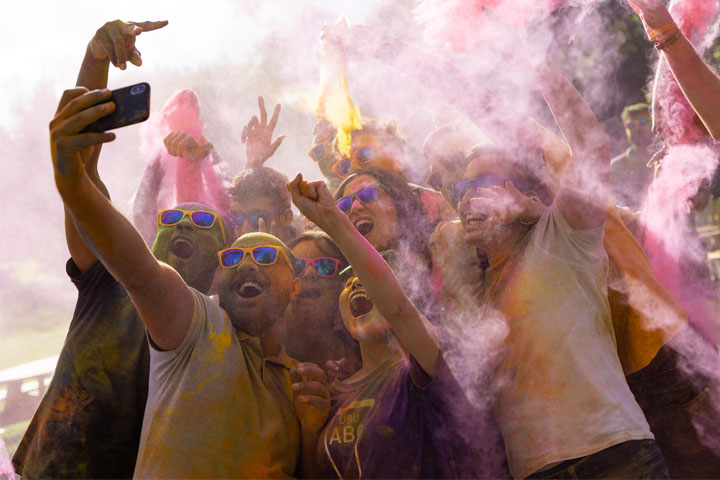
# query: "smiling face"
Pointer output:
{"type": "Point", "coordinates": [483, 222]}
{"type": "Point", "coordinates": [189, 249]}
{"type": "Point", "coordinates": [377, 220]}
{"type": "Point", "coordinates": [359, 314]}
{"type": "Point", "coordinates": [256, 296]}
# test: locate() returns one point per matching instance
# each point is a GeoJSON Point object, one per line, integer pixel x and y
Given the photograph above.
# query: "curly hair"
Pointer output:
{"type": "Point", "coordinates": [262, 182]}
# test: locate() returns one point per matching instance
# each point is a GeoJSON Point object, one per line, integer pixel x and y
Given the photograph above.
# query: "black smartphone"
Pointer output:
{"type": "Point", "coordinates": [132, 105]}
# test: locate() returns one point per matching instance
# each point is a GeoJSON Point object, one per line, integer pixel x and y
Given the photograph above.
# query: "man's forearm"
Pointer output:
{"type": "Point", "coordinates": [700, 85]}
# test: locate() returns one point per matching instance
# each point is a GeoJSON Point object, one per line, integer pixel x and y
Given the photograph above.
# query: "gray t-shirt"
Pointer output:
{"type": "Point", "coordinates": [216, 408]}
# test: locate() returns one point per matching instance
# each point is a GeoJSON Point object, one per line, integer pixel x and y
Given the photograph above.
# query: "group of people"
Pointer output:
{"type": "Point", "coordinates": [471, 328]}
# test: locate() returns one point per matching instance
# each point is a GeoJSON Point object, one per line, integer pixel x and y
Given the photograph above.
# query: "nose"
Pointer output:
{"type": "Point", "coordinates": [356, 205]}
{"type": "Point", "coordinates": [355, 284]}
{"type": "Point", "coordinates": [185, 225]}
{"type": "Point", "coordinates": [247, 264]}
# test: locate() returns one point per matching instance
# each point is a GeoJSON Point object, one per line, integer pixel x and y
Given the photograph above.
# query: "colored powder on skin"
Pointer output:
{"type": "Point", "coordinates": [675, 119]}
{"type": "Point", "coordinates": [180, 113]}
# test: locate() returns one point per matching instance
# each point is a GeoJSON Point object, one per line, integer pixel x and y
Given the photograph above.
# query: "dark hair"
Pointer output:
{"type": "Point", "coordinates": [413, 226]}
{"type": "Point", "coordinates": [330, 248]}
{"type": "Point", "coordinates": [261, 182]}
{"type": "Point", "coordinates": [388, 131]}
{"type": "Point", "coordinates": [328, 245]}
{"type": "Point", "coordinates": [525, 170]}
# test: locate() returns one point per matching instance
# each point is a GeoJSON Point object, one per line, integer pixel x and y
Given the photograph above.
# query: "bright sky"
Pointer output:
{"type": "Point", "coordinates": [43, 43]}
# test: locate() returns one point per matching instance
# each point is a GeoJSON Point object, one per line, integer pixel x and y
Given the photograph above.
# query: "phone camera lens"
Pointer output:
{"type": "Point", "coordinates": [137, 89]}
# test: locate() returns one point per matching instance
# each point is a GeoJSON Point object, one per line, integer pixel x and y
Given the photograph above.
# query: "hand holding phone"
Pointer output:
{"type": "Point", "coordinates": [132, 105]}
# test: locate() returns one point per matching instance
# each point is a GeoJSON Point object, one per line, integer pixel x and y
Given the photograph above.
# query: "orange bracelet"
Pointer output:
{"type": "Point", "coordinates": [673, 38]}
{"type": "Point", "coordinates": [653, 34]}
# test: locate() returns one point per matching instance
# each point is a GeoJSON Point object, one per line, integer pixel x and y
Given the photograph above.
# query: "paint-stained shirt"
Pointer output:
{"type": "Point", "coordinates": [88, 423]}
{"type": "Point", "coordinates": [561, 392]}
{"type": "Point", "coordinates": [399, 423]}
{"type": "Point", "coordinates": [216, 407]}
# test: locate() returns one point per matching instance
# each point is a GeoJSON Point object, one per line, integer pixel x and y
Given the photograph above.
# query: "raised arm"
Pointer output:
{"type": "Point", "coordinates": [113, 42]}
{"type": "Point", "coordinates": [583, 188]}
{"type": "Point", "coordinates": [698, 82]}
{"type": "Point", "coordinates": [433, 72]}
{"type": "Point", "coordinates": [409, 324]}
{"type": "Point", "coordinates": [257, 136]}
{"type": "Point", "coordinates": [160, 295]}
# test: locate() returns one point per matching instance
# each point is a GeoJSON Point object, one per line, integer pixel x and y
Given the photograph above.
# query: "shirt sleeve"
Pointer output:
{"type": "Point", "coordinates": [581, 247]}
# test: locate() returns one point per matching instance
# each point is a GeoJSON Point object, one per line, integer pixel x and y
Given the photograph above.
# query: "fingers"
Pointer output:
{"type": "Point", "coordinates": [119, 46]}
{"type": "Point", "coordinates": [82, 102]}
{"type": "Point", "coordinates": [85, 140]}
{"type": "Point", "coordinates": [262, 227]}
{"type": "Point", "coordinates": [315, 389]}
{"type": "Point", "coordinates": [135, 57]}
{"type": "Point", "coordinates": [274, 146]}
{"type": "Point", "coordinates": [274, 119]}
{"type": "Point", "coordinates": [263, 113]}
{"type": "Point", "coordinates": [254, 123]}
{"type": "Point", "coordinates": [82, 119]}
{"type": "Point", "coordinates": [244, 135]}
{"type": "Point", "coordinates": [150, 25]}
{"type": "Point", "coordinates": [315, 401]}
{"type": "Point", "coordinates": [311, 372]}
{"type": "Point", "coordinates": [69, 95]}
{"type": "Point", "coordinates": [204, 149]}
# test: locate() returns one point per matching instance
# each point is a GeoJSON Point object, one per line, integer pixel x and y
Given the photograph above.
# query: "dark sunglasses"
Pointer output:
{"type": "Point", "coordinates": [368, 194]}
{"type": "Point", "coordinates": [460, 188]}
{"type": "Point", "coordinates": [236, 219]}
{"type": "Point", "coordinates": [199, 218]}
{"type": "Point", "coordinates": [318, 151]}
{"type": "Point", "coordinates": [324, 266]}
{"type": "Point", "coordinates": [362, 155]}
{"type": "Point", "coordinates": [262, 255]}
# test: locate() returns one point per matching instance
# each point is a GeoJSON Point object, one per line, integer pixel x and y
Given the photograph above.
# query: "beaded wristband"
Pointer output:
{"type": "Point", "coordinates": [666, 43]}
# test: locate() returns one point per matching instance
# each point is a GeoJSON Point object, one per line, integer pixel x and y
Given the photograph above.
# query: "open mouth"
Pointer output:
{"type": "Point", "coordinates": [182, 248]}
{"type": "Point", "coordinates": [364, 226]}
{"type": "Point", "coordinates": [474, 219]}
{"type": "Point", "coordinates": [309, 293]}
{"type": "Point", "coordinates": [250, 289]}
{"type": "Point", "coordinates": [360, 304]}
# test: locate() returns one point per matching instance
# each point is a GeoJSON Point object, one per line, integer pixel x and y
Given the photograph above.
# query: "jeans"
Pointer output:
{"type": "Point", "coordinates": [636, 459]}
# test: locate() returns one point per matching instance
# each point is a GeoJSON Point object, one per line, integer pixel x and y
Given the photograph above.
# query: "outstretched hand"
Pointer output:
{"type": "Point", "coordinates": [311, 396]}
{"type": "Point", "coordinates": [653, 13]}
{"type": "Point", "coordinates": [77, 109]}
{"type": "Point", "coordinates": [313, 199]}
{"type": "Point", "coordinates": [115, 41]}
{"type": "Point", "coordinates": [508, 203]}
{"type": "Point", "coordinates": [182, 144]}
{"type": "Point", "coordinates": [257, 136]}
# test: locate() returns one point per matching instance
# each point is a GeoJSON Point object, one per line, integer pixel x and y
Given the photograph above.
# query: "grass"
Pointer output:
{"type": "Point", "coordinates": [29, 345]}
{"type": "Point", "coordinates": [12, 434]}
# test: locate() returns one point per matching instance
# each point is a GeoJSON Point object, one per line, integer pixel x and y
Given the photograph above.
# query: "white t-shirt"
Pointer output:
{"type": "Point", "coordinates": [560, 388]}
{"type": "Point", "coordinates": [216, 407]}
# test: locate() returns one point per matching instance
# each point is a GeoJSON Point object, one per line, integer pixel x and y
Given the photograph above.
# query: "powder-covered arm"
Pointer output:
{"type": "Point", "coordinates": [409, 324]}
{"type": "Point", "coordinates": [700, 85]}
{"type": "Point", "coordinates": [161, 297]}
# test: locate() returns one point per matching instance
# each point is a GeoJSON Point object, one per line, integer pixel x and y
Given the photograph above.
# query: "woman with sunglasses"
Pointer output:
{"type": "Point", "coordinates": [313, 330]}
{"type": "Point", "coordinates": [403, 414]}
